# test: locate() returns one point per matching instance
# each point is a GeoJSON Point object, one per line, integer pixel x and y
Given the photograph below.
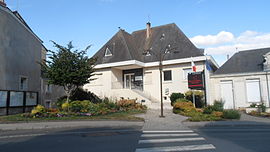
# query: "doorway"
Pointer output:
{"type": "Point", "coordinates": [227, 94]}
{"type": "Point", "coordinates": [129, 81]}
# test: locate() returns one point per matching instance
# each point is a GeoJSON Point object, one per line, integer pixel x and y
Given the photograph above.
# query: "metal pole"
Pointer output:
{"type": "Point", "coordinates": [161, 94]}
{"type": "Point", "coordinates": [194, 101]}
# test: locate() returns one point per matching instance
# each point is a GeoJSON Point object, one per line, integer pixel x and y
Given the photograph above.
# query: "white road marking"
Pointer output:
{"type": "Point", "coordinates": [169, 131]}
{"type": "Point", "coordinates": [177, 148]}
{"type": "Point", "coordinates": [168, 135]}
{"type": "Point", "coordinates": [19, 136]}
{"type": "Point", "coordinates": [169, 140]}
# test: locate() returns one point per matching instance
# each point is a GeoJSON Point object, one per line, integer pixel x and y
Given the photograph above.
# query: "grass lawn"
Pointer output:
{"type": "Point", "coordinates": [128, 116]}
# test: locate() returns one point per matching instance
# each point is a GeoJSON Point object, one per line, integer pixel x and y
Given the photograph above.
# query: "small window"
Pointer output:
{"type": "Point", "coordinates": [186, 72]}
{"type": "Point", "coordinates": [49, 88]}
{"type": "Point", "coordinates": [23, 83]}
{"type": "Point", "coordinates": [167, 75]}
{"type": "Point", "coordinates": [108, 52]}
{"type": "Point", "coordinates": [48, 104]}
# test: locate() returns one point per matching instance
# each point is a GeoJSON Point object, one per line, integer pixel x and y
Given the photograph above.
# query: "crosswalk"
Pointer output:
{"type": "Point", "coordinates": [168, 141]}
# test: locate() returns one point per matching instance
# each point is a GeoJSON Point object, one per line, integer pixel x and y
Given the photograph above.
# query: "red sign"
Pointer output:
{"type": "Point", "coordinates": [196, 80]}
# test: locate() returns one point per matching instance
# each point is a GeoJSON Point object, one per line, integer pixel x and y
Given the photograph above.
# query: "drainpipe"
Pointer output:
{"type": "Point", "coordinates": [267, 84]}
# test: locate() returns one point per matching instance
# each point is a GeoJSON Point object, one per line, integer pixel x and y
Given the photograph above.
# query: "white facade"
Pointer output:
{"type": "Point", "coordinates": [240, 90]}
{"type": "Point", "coordinates": [111, 81]}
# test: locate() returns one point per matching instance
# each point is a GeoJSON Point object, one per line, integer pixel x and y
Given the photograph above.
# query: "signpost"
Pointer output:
{"type": "Point", "coordinates": [196, 82]}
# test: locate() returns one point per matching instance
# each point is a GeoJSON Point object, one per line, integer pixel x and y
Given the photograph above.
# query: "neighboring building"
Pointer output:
{"type": "Point", "coordinates": [20, 72]}
{"type": "Point", "coordinates": [126, 68]}
{"type": "Point", "coordinates": [243, 79]}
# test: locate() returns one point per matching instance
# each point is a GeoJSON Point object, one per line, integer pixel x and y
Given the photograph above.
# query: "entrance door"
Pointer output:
{"type": "Point", "coordinates": [129, 81]}
{"type": "Point", "coordinates": [227, 94]}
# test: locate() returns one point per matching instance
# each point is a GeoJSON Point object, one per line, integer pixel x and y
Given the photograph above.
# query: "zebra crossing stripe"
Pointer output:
{"type": "Point", "coordinates": [170, 131]}
{"type": "Point", "coordinates": [177, 148]}
{"type": "Point", "coordinates": [169, 140]}
{"type": "Point", "coordinates": [168, 135]}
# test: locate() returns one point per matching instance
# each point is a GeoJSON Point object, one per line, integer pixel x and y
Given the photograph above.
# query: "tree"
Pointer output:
{"type": "Point", "coordinates": [67, 68]}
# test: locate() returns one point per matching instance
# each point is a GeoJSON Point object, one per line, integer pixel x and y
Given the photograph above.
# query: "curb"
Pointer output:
{"type": "Point", "coordinates": [70, 124]}
{"type": "Point", "coordinates": [225, 123]}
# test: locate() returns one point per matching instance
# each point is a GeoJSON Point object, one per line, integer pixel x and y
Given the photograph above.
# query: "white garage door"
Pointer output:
{"type": "Point", "coordinates": [253, 90]}
{"type": "Point", "coordinates": [227, 94]}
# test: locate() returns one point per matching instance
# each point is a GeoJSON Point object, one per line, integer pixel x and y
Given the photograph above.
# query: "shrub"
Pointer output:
{"type": "Point", "coordinates": [253, 105]}
{"type": "Point", "coordinates": [80, 106]}
{"type": "Point", "coordinates": [38, 110]}
{"type": "Point", "coordinates": [80, 94]}
{"type": "Point", "coordinates": [60, 101]}
{"type": "Point", "coordinates": [175, 96]}
{"type": "Point", "coordinates": [199, 98]}
{"type": "Point", "coordinates": [65, 106]}
{"type": "Point", "coordinates": [262, 107]}
{"type": "Point", "coordinates": [185, 107]}
{"type": "Point", "coordinates": [204, 117]}
{"type": "Point", "coordinates": [217, 114]}
{"type": "Point", "coordinates": [182, 100]}
{"type": "Point", "coordinates": [231, 114]}
{"type": "Point", "coordinates": [126, 103]}
{"type": "Point", "coordinates": [218, 106]}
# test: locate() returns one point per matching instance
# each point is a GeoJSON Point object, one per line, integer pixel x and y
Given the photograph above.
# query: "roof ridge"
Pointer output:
{"type": "Point", "coordinates": [159, 26]}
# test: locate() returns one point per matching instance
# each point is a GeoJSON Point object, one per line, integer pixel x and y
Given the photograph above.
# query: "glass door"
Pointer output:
{"type": "Point", "coordinates": [129, 81]}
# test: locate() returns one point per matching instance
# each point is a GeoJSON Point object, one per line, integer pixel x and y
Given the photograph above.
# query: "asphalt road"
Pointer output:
{"type": "Point", "coordinates": [71, 140]}
{"type": "Point", "coordinates": [204, 139]}
{"type": "Point", "coordinates": [237, 138]}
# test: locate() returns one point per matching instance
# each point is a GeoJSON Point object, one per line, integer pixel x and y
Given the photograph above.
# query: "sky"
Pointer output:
{"type": "Point", "coordinates": [221, 27]}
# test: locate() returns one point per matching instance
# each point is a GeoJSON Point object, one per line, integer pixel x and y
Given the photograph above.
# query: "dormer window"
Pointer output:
{"type": "Point", "coordinates": [108, 52]}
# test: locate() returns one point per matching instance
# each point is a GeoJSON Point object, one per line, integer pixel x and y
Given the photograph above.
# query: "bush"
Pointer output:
{"type": "Point", "coordinates": [80, 106]}
{"type": "Point", "coordinates": [126, 103]}
{"type": "Point", "coordinates": [231, 114]}
{"type": "Point", "coordinates": [253, 105]}
{"type": "Point", "coordinates": [175, 96]}
{"type": "Point", "coordinates": [80, 94]}
{"type": "Point", "coordinates": [60, 101]}
{"type": "Point", "coordinates": [217, 113]}
{"type": "Point", "coordinates": [199, 98]}
{"type": "Point", "coordinates": [39, 109]}
{"type": "Point", "coordinates": [185, 107]}
{"type": "Point", "coordinates": [182, 100]}
{"type": "Point", "coordinates": [65, 106]}
{"type": "Point", "coordinates": [204, 117]}
{"type": "Point", "coordinates": [218, 106]}
{"type": "Point", "coordinates": [262, 107]}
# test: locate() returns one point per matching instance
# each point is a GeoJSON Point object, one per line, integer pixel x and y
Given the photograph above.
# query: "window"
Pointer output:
{"type": "Point", "coordinates": [49, 88]}
{"type": "Point", "coordinates": [253, 90]}
{"type": "Point", "coordinates": [186, 72]}
{"type": "Point", "coordinates": [23, 83]}
{"type": "Point", "coordinates": [108, 52]}
{"type": "Point", "coordinates": [167, 75]}
{"type": "Point", "coordinates": [48, 104]}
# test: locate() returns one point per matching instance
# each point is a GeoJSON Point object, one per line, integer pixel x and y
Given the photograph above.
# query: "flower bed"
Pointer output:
{"type": "Point", "coordinates": [84, 108]}
{"type": "Point", "coordinates": [210, 113]}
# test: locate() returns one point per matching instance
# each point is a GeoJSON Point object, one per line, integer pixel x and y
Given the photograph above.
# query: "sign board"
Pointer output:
{"type": "Point", "coordinates": [196, 80]}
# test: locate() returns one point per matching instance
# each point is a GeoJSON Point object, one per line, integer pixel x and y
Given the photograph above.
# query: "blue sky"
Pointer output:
{"type": "Point", "coordinates": [220, 26]}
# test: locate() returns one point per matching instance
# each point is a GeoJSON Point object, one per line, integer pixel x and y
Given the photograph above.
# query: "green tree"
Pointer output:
{"type": "Point", "coordinates": [67, 68]}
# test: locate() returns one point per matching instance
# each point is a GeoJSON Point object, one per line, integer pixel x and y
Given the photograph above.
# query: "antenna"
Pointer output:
{"type": "Point", "coordinates": [149, 18]}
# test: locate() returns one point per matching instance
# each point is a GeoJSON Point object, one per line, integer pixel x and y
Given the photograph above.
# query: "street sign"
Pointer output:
{"type": "Point", "coordinates": [196, 80]}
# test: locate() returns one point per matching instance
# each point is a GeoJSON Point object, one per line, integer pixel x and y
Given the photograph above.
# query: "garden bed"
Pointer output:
{"type": "Point", "coordinates": [82, 110]}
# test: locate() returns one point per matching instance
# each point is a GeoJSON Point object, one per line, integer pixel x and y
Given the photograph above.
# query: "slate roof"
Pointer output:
{"type": "Point", "coordinates": [125, 46]}
{"type": "Point", "coordinates": [244, 62]}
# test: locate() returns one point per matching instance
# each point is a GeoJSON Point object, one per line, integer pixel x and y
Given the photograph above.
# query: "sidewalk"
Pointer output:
{"type": "Point", "coordinates": [69, 124]}
{"type": "Point", "coordinates": [171, 121]}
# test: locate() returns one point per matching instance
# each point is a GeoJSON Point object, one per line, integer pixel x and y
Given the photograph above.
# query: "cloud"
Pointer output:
{"type": "Point", "coordinates": [221, 37]}
{"type": "Point", "coordinates": [225, 43]}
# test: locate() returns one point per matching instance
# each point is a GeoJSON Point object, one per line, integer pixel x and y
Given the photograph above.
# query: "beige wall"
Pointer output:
{"type": "Point", "coordinates": [110, 79]}
{"type": "Point", "coordinates": [239, 88]}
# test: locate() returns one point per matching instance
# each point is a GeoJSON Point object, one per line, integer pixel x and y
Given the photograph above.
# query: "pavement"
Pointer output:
{"type": "Point", "coordinates": [153, 121]}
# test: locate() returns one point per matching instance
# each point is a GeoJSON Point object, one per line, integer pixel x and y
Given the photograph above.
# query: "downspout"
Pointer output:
{"type": "Point", "coordinates": [267, 84]}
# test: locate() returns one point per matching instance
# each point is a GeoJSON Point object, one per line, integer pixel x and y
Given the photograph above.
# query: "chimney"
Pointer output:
{"type": "Point", "coordinates": [2, 3]}
{"type": "Point", "coordinates": [148, 29]}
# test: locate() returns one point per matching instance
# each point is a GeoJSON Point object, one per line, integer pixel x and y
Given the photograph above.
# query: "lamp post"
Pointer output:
{"type": "Point", "coordinates": [161, 55]}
